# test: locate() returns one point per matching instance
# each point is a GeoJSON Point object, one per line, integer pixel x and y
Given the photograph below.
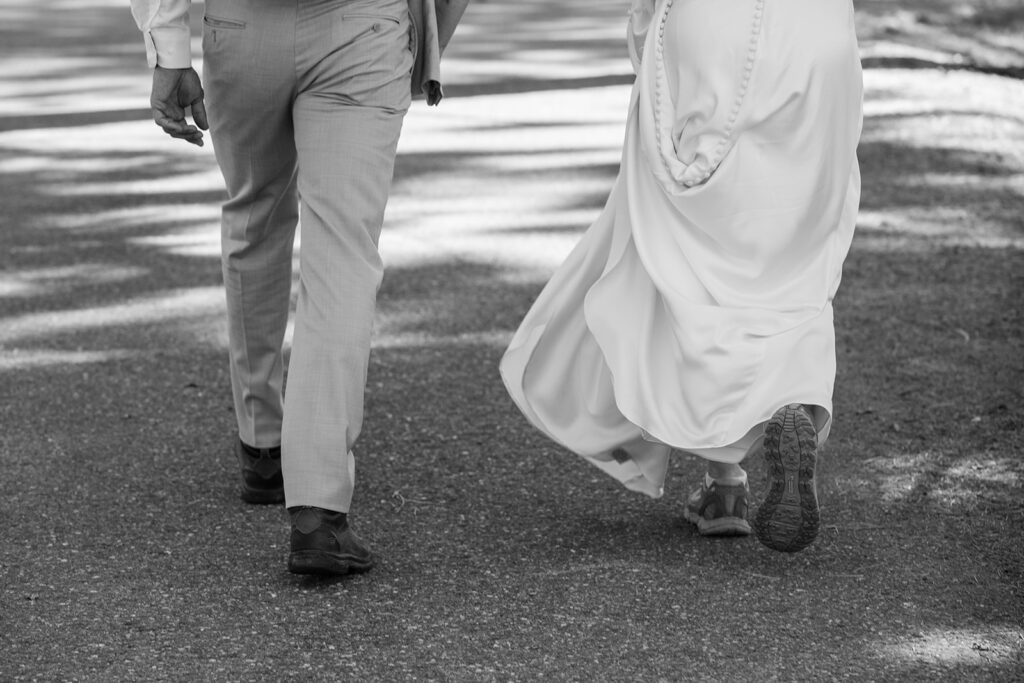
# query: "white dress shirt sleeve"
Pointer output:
{"type": "Point", "coordinates": [165, 28]}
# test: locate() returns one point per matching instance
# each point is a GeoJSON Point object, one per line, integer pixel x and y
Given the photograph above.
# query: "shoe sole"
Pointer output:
{"type": "Point", "coordinates": [788, 519]}
{"type": "Point", "coordinates": [723, 526]}
{"type": "Point", "coordinates": [324, 563]}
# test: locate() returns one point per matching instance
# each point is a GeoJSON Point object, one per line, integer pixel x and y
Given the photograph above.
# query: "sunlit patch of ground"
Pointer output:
{"type": "Point", "coordinates": [960, 482]}
{"type": "Point", "coordinates": [940, 163]}
{"type": "Point", "coordinates": [951, 32]}
{"type": "Point", "coordinates": [963, 648]}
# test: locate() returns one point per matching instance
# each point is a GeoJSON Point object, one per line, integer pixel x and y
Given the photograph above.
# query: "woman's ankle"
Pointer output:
{"type": "Point", "coordinates": [726, 473]}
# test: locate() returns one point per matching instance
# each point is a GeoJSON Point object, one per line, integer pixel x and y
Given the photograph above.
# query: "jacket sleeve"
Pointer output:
{"type": "Point", "coordinates": [165, 30]}
{"type": "Point", "coordinates": [434, 22]}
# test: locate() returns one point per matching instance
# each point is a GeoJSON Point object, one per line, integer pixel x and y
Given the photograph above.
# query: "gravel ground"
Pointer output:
{"type": "Point", "coordinates": [127, 555]}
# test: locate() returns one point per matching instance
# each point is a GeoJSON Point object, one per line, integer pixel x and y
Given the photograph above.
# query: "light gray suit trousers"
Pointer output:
{"type": "Point", "coordinates": [306, 101]}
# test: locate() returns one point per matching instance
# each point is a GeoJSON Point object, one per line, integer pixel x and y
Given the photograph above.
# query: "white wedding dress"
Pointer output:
{"type": "Point", "coordinates": [700, 301]}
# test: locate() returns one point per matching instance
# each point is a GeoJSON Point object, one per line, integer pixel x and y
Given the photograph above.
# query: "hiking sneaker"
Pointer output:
{"type": "Point", "coordinates": [788, 518]}
{"type": "Point", "coordinates": [261, 474]}
{"type": "Point", "coordinates": [323, 543]}
{"type": "Point", "coordinates": [718, 509]}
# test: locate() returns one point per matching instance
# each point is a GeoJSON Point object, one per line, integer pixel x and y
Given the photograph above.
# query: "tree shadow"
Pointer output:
{"type": "Point", "coordinates": [984, 36]}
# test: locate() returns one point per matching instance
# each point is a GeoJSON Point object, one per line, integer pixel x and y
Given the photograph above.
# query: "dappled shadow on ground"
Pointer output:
{"type": "Point", "coordinates": [503, 556]}
{"type": "Point", "coordinates": [69, 63]}
{"type": "Point", "coordinates": [984, 35]}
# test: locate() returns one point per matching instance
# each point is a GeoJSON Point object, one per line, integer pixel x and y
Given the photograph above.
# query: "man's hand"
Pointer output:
{"type": "Point", "coordinates": [173, 91]}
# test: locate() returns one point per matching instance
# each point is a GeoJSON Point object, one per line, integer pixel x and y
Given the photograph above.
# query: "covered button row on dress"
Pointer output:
{"type": "Point", "coordinates": [700, 168]}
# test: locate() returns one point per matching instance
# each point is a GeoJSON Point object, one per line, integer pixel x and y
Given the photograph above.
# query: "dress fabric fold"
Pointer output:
{"type": "Point", "coordinates": [700, 300]}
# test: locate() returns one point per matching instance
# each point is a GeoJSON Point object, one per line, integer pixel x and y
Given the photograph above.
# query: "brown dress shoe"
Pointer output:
{"type": "Point", "coordinates": [323, 543]}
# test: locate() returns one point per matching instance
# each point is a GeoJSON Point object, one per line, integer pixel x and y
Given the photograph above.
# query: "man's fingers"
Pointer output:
{"type": "Point", "coordinates": [180, 130]}
{"type": "Point", "coordinates": [195, 137]}
{"type": "Point", "coordinates": [174, 90]}
{"type": "Point", "coordinates": [169, 123]}
{"type": "Point", "coordinates": [199, 113]}
{"type": "Point", "coordinates": [185, 132]}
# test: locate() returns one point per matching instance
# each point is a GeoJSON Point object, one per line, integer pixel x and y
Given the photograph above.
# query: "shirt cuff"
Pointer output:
{"type": "Point", "coordinates": [169, 47]}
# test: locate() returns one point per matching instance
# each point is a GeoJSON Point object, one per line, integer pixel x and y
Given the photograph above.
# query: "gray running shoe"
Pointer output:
{"type": "Point", "coordinates": [788, 518]}
{"type": "Point", "coordinates": [718, 509]}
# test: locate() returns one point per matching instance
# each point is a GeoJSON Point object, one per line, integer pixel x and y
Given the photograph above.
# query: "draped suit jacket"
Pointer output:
{"type": "Point", "coordinates": [433, 23]}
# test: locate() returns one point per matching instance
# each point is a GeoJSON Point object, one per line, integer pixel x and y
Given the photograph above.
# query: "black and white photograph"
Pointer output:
{"type": "Point", "coordinates": [512, 340]}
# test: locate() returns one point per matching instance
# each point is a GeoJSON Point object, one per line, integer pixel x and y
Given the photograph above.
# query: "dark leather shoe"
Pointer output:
{"type": "Point", "coordinates": [323, 543]}
{"type": "Point", "coordinates": [261, 474]}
